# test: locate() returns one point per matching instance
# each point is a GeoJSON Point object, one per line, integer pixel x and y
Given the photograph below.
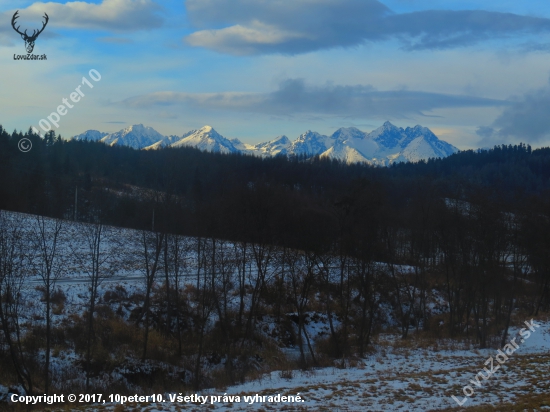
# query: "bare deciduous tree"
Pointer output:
{"type": "Point", "coordinates": [13, 275]}
{"type": "Point", "coordinates": [49, 266]}
{"type": "Point", "coordinates": [153, 244]}
{"type": "Point", "coordinates": [301, 278]}
{"type": "Point", "coordinates": [98, 262]}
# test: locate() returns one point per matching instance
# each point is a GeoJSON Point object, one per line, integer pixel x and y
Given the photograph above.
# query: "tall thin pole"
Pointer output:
{"type": "Point", "coordinates": [75, 202]}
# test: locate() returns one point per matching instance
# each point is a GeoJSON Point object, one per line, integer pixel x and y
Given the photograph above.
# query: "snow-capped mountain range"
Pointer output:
{"type": "Point", "coordinates": [383, 146]}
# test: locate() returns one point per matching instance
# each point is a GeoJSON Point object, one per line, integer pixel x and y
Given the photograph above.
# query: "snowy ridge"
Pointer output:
{"type": "Point", "coordinates": [383, 146]}
{"type": "Point", "coordinates": [91, 135]}
{"type": "Point", "coordinates": [278, 146]}
{"type": "Point", "coordinates": [388, 144]}
{"type": "Point", "coordinates": [310, 144]}
{"type": "Point", "coordinates": [136, 136]}
{"type": "Point", "coordinates": [345, 153]}
{"type": "Point", "coordinates": [206, 139]}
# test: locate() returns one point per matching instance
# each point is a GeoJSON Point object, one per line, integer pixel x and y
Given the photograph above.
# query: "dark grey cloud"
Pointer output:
{"type": "Point", "coordinates": [527, 120]}
{"type": "Point", "coordinates": [247, 27]}
{"type": "Point", "coordinates": [295, 97]}
{"type": "Point", "coordinates": [442, 29]}
{"type": "Point", "coordinates": [485, 132]}
{"type": "Point", "coordinates": [273, 26]}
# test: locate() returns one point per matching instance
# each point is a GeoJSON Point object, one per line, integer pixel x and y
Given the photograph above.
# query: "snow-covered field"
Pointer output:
{"type": "Point", "coordinates": [411, 375]}
{"type": "Point", "coordinates": [395, 377]}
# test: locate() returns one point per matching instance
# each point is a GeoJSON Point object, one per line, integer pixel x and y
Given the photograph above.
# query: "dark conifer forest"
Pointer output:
{"type": "Point", "coordinates": [296, 202]}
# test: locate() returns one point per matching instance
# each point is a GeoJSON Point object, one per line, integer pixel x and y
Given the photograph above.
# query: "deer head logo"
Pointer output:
{"type": "Point", "coordinates": [29, 40]}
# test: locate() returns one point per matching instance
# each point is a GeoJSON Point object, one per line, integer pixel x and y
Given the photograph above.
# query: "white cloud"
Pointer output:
{"type": "Point", "coordinates": [241, 40]}
{"type": "Point", "coordinates": [112, 15]}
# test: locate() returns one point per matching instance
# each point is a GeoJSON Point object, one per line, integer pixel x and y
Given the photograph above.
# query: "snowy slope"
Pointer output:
{"type": "Point", "coordinates": [207, 139]}
{"type": "Point", "coordinates": [166, 141]}
{"type": "Point", "coordinates": [396, 144]}
{"type": "Point", "coordinates": [357, 145]}
{"type": "Point", "coordinates": [137, 136]}
{"type": "Point", "coordinates": [243, 147]}
{"type": "Point", "coordinates": [386, 145]}
{"type": "Point", "coordinates": [387, 136]}
{"type": "Point", "coordinates": [155, 146]}
{"type": "Point", "coordinates": [345, 153]}
{"type": "Point", "coordinates": [90, 135]}
{"type": "Point", "coordinates": [310, 144]}
{"type": "Point", "coordinates": [278, 146]}
{"type": "Point", "coordinates": [427, 143]}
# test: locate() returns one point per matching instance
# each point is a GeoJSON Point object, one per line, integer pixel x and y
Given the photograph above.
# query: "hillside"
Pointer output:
{"type": "Point", "coordinates": [420, 373]}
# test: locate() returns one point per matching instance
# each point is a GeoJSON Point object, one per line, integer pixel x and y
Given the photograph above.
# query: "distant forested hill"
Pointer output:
{"type": "Point", "coordinates": [291, 201]}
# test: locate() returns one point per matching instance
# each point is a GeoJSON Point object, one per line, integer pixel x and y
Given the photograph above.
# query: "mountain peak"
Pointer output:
{"type": "Point", "coordinates": [348, 133]}
{"type": "Point", "coordinates": [207, 139]}
{"type": "Point", "coordinates": [137, 136]}
{"type": "Point", "coordinates": [387, 135]}
{"type": "Point", "coordinates": [90, 135]}
{"type": "Point", "coordinates": [383, 146]}
{"type": "Point", "coordinates": [277, 146]}
{"type": "Point", "coordinates": [310, 144]}
{"type": "Point", "coordinates": [281, 139]}
{"type": "Point", "coordinates": [417, 131]}
{"type": "Point", "coordinates": [136, 127]}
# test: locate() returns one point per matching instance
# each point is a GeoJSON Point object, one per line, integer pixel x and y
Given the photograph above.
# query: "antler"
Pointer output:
{"type": "Point", "coordinates": [34, 34]}
{"type": "Point", "coordinates": [15, 16]}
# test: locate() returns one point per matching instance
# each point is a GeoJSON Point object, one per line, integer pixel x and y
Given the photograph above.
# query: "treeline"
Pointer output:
{"type": "Point", "coordinates": [289, 201]}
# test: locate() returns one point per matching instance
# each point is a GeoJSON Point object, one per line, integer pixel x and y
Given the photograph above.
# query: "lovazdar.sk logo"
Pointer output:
{"type": "Point", "coordinates": [29, 39]}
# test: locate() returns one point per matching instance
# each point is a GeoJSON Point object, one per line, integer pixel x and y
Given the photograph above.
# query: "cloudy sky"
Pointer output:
{"type": "Point", "coordinates": [476, 72]}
